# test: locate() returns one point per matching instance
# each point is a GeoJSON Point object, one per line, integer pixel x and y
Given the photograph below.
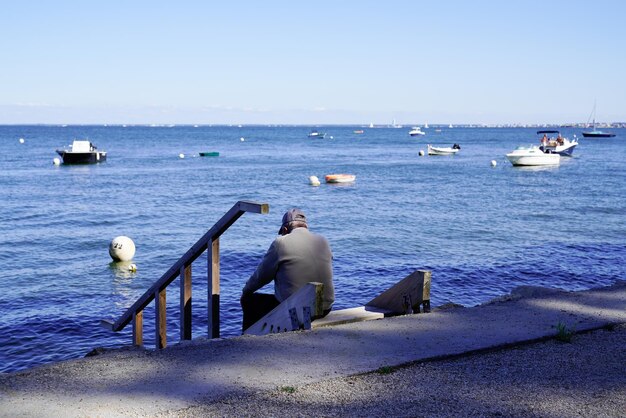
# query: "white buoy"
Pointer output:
{"type": "Point", "coordinates": [56, 161]}
{"type": "Point", "coordinates": [331, 137]}
{"type": "Point", "coordinates": [314, 181]}
{"type": "Point", "coordinates": [21, 140]}
{"type": "Point", "coordinates": [132, 268]}
{"type": "Point", "coordinates": [181, 155]}
{"type": "Point", "coordinates": [122, 249]}
{"type": "Point", "coordinates": [421, 153]}
{"type": "Point", "coordinates": [494, 163]}
{"type": "Point", "coordinates": [242, 139]}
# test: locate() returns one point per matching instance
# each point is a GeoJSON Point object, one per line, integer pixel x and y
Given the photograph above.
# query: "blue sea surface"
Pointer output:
{"type": "Point", "coordinates": [481, 230]}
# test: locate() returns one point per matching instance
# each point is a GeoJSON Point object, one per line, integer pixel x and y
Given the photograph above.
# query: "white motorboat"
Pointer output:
{"type": "Point", "coordinates": [415, 131]}
{"type": "Point", "coordinates": [82, 152]}
{"type": "Point", "coordinates": [315, 134]}
{"type": "Point", "coordinates": [532, 156]}
{"type": "Point", "coordinates": [558, 145]}
{"type": "Point", "coordinates": [443, 150]}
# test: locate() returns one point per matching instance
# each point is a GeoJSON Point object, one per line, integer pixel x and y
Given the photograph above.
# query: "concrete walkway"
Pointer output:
{"type": "Point", "coordinates": [139, 382]}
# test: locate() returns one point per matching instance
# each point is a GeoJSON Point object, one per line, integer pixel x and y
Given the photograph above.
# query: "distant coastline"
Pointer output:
{"type": "Point", "coordinates": [603, 125]}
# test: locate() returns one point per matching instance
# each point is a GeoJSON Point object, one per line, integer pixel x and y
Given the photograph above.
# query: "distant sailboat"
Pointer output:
{"type": "Point", "coordinates": [593, 133]}
{"type": "Point", "coordinates": [450, 126]}
{"type": "Point", "coordinates": [371, 125]}
{"type": "Point", "coordinates": [426, 126]}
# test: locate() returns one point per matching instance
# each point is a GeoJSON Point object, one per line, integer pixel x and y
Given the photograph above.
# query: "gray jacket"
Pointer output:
{"type": "Point", "coordinates": [292, 261]}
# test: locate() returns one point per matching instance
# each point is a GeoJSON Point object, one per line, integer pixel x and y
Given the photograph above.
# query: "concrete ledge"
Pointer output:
{"type": "Point", "coordinates": [346, 316]}
{"type": "Point", "coordinates": [149, 383]}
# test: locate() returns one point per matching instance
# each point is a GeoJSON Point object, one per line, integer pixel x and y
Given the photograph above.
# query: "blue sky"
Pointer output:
{"type": "Point", "coordinates": [312, 62]}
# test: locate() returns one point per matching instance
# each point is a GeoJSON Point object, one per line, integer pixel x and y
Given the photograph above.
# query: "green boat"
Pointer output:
{"type": "Point", "coordinates": [210, 154]}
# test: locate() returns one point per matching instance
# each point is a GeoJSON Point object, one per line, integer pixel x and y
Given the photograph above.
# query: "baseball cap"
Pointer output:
{"type": "Point", "coordinates": [293, 215]}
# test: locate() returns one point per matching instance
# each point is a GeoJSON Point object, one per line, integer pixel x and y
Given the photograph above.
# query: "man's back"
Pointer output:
{"type": "Point", "coordinates": [303, 257]}
{"type": "Point", "coordinates": [295, 258]}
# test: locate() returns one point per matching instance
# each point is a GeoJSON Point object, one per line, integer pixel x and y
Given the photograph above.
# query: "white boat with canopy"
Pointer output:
{"type": "Point", "coordinates": [558, 144]}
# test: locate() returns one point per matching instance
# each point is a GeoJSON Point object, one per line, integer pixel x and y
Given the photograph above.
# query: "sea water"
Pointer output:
{"type": "Point", "coordinates": [481, 230]}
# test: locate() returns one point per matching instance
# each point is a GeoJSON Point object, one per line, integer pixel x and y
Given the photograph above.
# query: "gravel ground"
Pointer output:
{"type": "Point", "coordinates": [586, 377]}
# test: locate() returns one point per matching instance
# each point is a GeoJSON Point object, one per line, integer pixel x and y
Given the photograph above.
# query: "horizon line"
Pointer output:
{"type": "Point", "coordinates": [365, 125]}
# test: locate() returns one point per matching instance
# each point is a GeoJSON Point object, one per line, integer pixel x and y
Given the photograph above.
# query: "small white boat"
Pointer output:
{"type": "Point", "coordinates": [340, 178]}
{"type": "Point", "coordinates": [443, 150]}
{"type": "Point", "coordinates": [316, 134]}
{"type": "Point", "coordinates": [532, 156]}
{"type": "Point", "coordinates": [415, 131]}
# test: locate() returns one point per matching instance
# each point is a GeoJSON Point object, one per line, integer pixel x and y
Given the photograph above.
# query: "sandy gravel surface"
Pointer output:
{"type": "Point", "coordinates": [586, 377]}
{"type": "Point", "coordinates": [320, 372]}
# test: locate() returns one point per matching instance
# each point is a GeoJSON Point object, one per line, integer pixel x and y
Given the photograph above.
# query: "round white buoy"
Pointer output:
{"type": "Point", "coordinates": [331, 137]}
{"type": "Point", "coordinates": [421, 153]}
{"type": "Point", "coordinates": [314, 181]}
{"type": "Point", "coordinates": [242, 139]}
{"type": "Point", "coordinates": [122, 249]}
{"type": "Point", "coordinates": [494, 163]}
{"type": "Point", "coordinates": [132, 267]}
{"type": "Point", "coordinates": [181, 155]}
{"type": "Point", "coordinates": [21, 140]}
{"type": "Point", "coordinates": [56, 161]}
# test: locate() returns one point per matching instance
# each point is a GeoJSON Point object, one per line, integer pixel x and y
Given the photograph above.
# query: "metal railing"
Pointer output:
{"type": "Point", "coordinates": [182, 269]}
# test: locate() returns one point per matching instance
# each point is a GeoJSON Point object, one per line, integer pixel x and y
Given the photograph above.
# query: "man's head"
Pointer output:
{"type": "Point", "coordinates": [293, 218]}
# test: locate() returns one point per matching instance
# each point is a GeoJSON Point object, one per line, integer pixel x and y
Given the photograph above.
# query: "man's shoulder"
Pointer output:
{"type": "Point", "coordinates": [299, 233]}
{"type": "Point", "coordinates": [303, 234]}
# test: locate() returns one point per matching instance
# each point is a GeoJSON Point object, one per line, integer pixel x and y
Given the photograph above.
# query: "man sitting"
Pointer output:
{"type": "Point", "coordinates": [295, 258]}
